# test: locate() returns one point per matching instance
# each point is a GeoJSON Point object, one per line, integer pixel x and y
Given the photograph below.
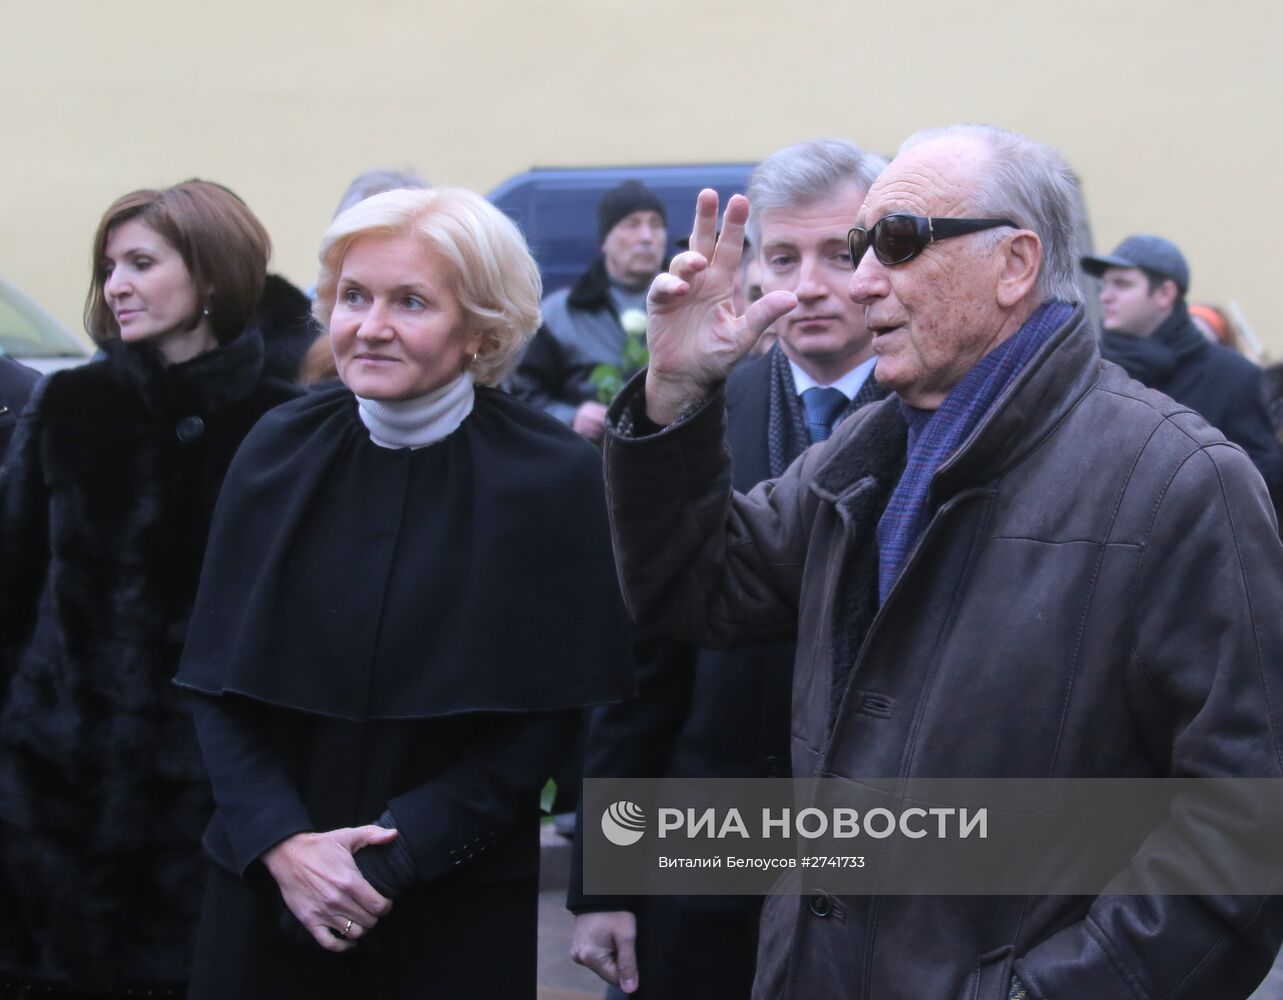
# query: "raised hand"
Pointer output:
{"type": "Point", "coordinates": [692, 332]}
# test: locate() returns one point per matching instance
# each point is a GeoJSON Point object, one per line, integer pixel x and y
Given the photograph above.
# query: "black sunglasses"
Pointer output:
{"type": "Point", "coordinates": [899, 238]}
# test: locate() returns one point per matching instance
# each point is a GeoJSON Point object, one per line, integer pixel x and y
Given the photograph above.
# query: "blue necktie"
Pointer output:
{"type": "Point", "coordinates": [823, 407]}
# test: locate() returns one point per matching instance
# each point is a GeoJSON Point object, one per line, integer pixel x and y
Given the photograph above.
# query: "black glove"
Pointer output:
{"type": "Point", "coordinates": [387, 867]}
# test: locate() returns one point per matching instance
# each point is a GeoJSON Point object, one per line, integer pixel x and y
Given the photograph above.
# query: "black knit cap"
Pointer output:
{"type": "Point", "coordinates": [623, 200]}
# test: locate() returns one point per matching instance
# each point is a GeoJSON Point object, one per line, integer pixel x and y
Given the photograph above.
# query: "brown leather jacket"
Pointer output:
{"type": "Point", "coordinates": [1097, 594]}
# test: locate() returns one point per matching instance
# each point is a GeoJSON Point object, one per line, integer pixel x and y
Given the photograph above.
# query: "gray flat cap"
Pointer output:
{"type": "Point", "coordinates": [1150, 253]}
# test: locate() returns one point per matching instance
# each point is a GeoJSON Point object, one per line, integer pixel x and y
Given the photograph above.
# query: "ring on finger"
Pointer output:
{"type": "Point", "coordinates": [346, 930]}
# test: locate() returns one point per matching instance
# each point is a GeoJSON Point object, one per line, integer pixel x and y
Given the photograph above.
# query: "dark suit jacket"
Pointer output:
{"type": "Point", "coordinates": [701, 713]}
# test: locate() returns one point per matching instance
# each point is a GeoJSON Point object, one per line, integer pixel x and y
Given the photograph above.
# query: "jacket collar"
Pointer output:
{"type": "Point", "coordinates": [1179, 333]}
{"type": "Point", "coordinates": [592, 291]}
{"type": "Point", "coordinates": [284, 317]}
{"type": "Point", "coordinates": [1154, 359]}
{"type": "Point", "coordinates": [868, 449]}
{"type": "Point", "coordinates": [1052, 383]}
{"type": "Point", "coordinates": [208, 382]}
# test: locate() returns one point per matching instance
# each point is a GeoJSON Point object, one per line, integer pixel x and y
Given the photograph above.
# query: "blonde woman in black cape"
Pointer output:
{"type": "Point", "coordinates": [410, 594]}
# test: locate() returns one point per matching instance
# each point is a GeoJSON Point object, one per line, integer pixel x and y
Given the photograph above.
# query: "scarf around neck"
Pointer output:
{"type": "Point", "coordinates": [1154, 359]}
{"type": "Point", "coordinates": [935, 437]}
{"type": "Point", "coordinates": [418, 422]}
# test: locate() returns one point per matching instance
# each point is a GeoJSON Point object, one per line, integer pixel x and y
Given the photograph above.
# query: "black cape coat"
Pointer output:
{"type": "Point", "coordinates": [405, 630]}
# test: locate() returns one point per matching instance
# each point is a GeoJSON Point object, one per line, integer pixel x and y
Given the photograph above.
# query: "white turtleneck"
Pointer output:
{"type": "Point", "coordinates": [418, 422]}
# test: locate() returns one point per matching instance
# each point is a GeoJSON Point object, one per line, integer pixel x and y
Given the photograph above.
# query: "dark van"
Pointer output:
{"type": "Point", "coordinates": [557, 208]}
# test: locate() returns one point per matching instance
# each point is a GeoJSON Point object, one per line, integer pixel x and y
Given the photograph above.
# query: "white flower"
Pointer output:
{"type": "Point", "coordinates": [634, 322]}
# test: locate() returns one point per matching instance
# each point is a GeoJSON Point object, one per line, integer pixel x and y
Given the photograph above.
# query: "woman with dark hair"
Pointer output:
{"type": "Point", "coordinates": [106, 497]}
{"type": "Point", "coordinates": [409, 594]}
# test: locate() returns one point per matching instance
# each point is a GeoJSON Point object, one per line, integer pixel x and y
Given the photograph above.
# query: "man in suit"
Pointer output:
{"type": "Point", "coordinates": [706, 713]}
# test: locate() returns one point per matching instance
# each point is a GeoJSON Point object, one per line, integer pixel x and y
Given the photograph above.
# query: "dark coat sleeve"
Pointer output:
{"type": "Point", "coordinates": [456, 816]}
{"type": "Point", "coordinates": [540, 378]}
{"type": "Point", "coordinates": [699, 562]}
{"type": "Point", "coordinates": [634, 739]}
{"type": "Point", "coordinates": [443, 822]}
{"type": "Point", "coordinates": [1248, 426]}
{"type": "Point", "coordinates": [639, 738]}
{"type": "Point", "coordinates": [258, 803]}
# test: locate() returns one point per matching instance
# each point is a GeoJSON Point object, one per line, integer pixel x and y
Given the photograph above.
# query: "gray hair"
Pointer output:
{"type": "Point", "coordinates": [805, 173]}
{"type": "Point", "coordinates": [1032, 185]}
{"type": "Point", "coordinates": [374, 182]}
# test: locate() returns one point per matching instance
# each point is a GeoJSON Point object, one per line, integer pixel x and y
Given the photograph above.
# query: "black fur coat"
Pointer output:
{"type": "Point", "coordinates": [106, 498]}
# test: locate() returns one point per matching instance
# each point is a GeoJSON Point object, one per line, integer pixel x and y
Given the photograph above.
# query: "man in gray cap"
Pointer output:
{"type": "Point", "coordinates": [585, 325]}
{"type": "Point", "coordinates": [1148, 331]}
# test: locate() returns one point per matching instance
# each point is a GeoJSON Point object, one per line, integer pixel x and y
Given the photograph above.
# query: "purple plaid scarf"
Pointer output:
{"type": "Point", "coordinates": [933, 437]}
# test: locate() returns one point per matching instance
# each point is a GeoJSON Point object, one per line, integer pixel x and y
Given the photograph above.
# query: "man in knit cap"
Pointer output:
{"type": "Point", "coordinates": [587, 324]}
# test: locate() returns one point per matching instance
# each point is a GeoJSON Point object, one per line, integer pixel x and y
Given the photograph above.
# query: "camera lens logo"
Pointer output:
{"type": "Point", "coordinates": [623, 823]}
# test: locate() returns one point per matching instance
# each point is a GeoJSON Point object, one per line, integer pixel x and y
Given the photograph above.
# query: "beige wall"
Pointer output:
{"type": "Point", "coordinates": [1169, 109]}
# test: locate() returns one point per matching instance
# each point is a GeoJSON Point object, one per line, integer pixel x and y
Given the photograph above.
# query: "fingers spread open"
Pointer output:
{"type": "Point", "coordinates": [704, 232]}
{"type": "Point", "coordinates": [730, 245]}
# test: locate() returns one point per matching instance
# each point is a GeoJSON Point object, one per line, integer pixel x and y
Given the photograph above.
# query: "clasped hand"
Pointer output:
{"type": "Point", "coordinates": [692, 332]}
{"type": "Point", "coordinates": [322, 886]}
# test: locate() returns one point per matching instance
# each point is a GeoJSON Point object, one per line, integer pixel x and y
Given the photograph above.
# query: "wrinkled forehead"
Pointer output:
{"type": "Point", "coordinates": [936, 178]}
{"type": "Point", "coordinates": [635, 219]}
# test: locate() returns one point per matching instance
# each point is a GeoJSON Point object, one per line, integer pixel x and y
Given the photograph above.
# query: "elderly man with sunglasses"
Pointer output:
{"type": "Point", "coordinates": [1020, 564]}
